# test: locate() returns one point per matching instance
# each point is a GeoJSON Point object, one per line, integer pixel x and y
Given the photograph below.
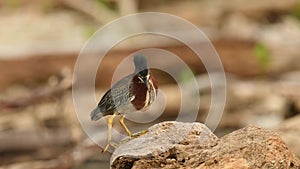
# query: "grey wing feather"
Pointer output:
{"type": "Point", "coordinates": [120, 94]}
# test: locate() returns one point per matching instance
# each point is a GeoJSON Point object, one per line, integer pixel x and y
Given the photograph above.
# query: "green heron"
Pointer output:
{"type": "Point", "coordinates": [135, 92]}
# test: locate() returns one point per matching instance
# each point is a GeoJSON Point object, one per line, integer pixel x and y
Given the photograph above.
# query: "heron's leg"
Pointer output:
{"type": "Point", "coordinates": [124, 126]}
{"type": "Point", "coordinates": [109, 126]}
{"type": "Point", "coordinates": [127, 130]}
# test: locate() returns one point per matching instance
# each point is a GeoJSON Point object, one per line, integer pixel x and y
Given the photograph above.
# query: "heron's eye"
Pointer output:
{"type": "Point", "coordinates": [144, 72]}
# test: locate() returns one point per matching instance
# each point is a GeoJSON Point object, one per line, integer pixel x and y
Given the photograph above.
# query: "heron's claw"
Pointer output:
{"type": "Point", "coordinates": [135, 135]}
{"type": "Point", "coordinates": [138, 134]}
{"type": "Point", "coordinates": [114, 145]}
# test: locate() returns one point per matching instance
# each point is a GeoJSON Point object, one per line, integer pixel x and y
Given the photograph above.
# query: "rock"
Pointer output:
{"type": "Point", "coordinates": [160, 140]}
{"type": "Point", "coordinates": [193, 145]}
{"type": "Point", "coordinates": [254, 148]}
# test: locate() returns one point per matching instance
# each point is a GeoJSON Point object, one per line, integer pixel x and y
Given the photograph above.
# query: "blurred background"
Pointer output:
{"type": "Point", "coordinates": [258, 43]}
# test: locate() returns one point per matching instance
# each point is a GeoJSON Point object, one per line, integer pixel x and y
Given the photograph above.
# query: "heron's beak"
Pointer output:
{"type": "Point", "coordinates": [146, 83]}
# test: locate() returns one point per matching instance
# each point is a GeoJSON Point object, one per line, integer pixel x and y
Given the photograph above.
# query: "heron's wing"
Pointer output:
{"type": "Point", "coordinates": [120, 94]}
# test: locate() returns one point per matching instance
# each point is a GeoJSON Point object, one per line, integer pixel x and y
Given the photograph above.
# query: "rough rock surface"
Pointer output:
{"type": "Point", "coordinates": [193, 145]}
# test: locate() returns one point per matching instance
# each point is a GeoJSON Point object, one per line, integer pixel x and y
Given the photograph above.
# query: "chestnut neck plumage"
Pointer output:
{"type": "Point", "coordinates": [144, 85]}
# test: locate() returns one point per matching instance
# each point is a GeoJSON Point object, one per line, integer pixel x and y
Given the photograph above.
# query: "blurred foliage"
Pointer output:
{"type": "Point", "coordinates": [47, 5]}
{"type": "Point", "coordinates": [262, 55]}
{"type": "Point", "coordinates": [12, 4]}
{"type": "Point", "coordinates": [296, 11]}
{"type": "Point", "coordinates": [108, 3]}
{"type": "Point", "coordinates": [89, 30]}
{"type": "Point", "coordinates": [185, 75]}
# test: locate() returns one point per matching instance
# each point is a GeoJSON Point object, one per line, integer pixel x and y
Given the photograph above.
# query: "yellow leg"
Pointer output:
{"type": "Point", "coordinates": [109, 126]}
{"type": "Point", "coordinates": [124, 126]}
{"type": "Point", "coordinates": [127, 130]}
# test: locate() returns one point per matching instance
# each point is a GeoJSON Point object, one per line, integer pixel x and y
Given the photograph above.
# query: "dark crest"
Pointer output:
{"type": "Point", "coordinates": [140, 63]}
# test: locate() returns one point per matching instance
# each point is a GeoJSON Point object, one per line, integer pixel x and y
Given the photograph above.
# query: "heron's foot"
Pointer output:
{"type": "Point", "coordinates": [114, 145]}
{"type": "Point", "coordinates": [132, 136]}
{"type": "Point", "coordinates": [138, 134]}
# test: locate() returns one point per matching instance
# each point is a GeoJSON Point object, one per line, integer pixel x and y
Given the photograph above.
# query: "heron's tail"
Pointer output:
{"type": "Point", "coordinates": [96, 114]}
